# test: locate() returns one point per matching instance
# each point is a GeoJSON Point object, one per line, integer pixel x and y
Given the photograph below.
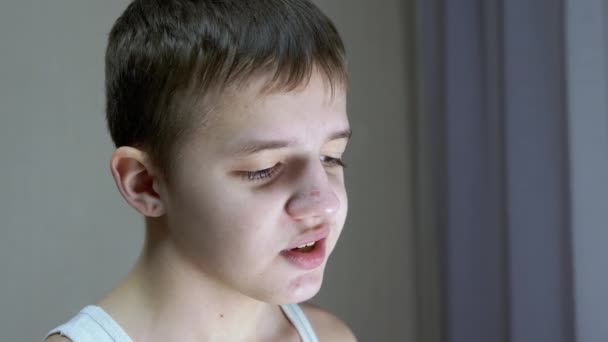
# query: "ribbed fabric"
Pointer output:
{"type": "Point", "coordinates": [93, 324]}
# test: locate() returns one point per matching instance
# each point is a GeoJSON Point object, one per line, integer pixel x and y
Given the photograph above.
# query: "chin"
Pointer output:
{"type": "Point", "coordinates": [304, 287]}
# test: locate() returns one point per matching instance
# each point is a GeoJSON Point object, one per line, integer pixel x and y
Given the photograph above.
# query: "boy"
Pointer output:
{"type": "Point", "coordinates": [229, 118]}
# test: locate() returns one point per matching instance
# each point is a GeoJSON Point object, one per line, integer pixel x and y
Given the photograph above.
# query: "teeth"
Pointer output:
{"type": "Point", "coordinates": [307, 245]}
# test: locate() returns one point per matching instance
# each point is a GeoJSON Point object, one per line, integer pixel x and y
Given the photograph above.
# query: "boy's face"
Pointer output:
{"type": "Point", "coordinates": [261, 176]}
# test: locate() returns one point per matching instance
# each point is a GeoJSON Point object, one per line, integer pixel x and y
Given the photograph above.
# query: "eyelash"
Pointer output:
{"type": "Point", "coordinates": [330, 161]}
{"type": "Point", "coordinates": [271, 171]}
{"type": "Point", "coordinates": [262, 174]}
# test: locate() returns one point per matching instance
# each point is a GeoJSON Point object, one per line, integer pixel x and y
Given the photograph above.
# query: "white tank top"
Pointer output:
{"type": "Point", "coordinates": [93, 324]}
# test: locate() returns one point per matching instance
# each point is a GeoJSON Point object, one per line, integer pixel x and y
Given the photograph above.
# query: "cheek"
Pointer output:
{"type": "Point", "coordinates": [218, 219]}
{"type": "Point", "coordinates": [340, 191]}
{"type": "Point", "coordinates": [340, 217]}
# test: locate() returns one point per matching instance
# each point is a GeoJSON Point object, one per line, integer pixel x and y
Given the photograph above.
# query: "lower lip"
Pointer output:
{"type": "Point", "coordinates": [307, 260]}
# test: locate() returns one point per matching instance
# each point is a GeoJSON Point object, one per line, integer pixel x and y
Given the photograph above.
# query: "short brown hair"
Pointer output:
{"type": "Point", "coordinates": [165, 56]}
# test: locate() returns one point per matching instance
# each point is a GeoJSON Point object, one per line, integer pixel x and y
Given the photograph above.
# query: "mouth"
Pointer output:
{"type": "Point", "coordinates": [307, 256]}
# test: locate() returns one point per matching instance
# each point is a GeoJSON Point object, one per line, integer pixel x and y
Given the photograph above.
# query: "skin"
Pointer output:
{"type": "Point", "coordinates": [211, 268]}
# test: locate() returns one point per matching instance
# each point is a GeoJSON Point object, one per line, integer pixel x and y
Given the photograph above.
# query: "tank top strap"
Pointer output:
{"type": "Point", "coordinates": [92, 324]}
{"type": "Point", "coordinates": [297, 317]}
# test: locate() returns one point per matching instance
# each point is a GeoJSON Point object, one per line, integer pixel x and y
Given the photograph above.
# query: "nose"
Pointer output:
{"type": "Point", "coordinates": [315, 200]}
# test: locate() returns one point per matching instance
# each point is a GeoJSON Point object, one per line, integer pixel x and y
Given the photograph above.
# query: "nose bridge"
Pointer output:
{"type": "Point", "coordinates": [314, 197]}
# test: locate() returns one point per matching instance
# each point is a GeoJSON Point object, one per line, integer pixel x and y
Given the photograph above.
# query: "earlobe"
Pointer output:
{"type": "Point", "coordinates": [135, 181]}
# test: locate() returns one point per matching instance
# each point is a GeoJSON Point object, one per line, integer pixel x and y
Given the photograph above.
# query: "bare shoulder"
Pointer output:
{"type": "Point", "coordinates": [57, 338]}
{"type": "Point", "coordinates": [327, 326]}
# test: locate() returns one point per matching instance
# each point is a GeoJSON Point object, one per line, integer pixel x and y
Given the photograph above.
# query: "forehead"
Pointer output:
{"type": "Point", "coordinates": [304, 113]}
{"type": "Point", "coordinates": [316, 93]}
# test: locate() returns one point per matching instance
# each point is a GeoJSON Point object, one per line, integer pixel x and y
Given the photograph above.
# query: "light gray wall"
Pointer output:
{"type": "Point", "coordinates": [370, 280]}
{"type": "Point", "coordinates": [67, 235]}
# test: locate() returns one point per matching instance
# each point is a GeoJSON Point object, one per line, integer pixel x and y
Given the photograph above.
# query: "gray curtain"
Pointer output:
{"type": "Point", "coordinates": [494, 175]}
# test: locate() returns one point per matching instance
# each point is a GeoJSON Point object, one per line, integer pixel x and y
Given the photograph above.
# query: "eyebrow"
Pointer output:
{"type": "Point", "coordinates": [255, 146]}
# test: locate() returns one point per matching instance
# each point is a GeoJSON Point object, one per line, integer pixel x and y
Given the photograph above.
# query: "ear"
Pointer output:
{"type": "Point", "coordinates": [136, 181]}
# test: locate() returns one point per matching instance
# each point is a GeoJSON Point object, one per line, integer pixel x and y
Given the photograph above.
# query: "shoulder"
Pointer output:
{"type": "Point", "coordinates": [327, 326]}
{"type": "Point", "coordinates": [57, 338]}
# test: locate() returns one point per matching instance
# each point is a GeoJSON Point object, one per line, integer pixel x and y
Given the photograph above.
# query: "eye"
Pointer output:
{"type": "Point", "coordinates": [264, 174]}
{"type": "Point", "coordinates": [333, 162]}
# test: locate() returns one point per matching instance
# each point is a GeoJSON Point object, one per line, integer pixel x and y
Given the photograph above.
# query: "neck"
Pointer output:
{"type": "Point", "coordinates": [166, 297]}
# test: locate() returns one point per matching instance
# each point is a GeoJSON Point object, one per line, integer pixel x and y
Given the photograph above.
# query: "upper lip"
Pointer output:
{"type": "Point", "coordinates": [313, 236]}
